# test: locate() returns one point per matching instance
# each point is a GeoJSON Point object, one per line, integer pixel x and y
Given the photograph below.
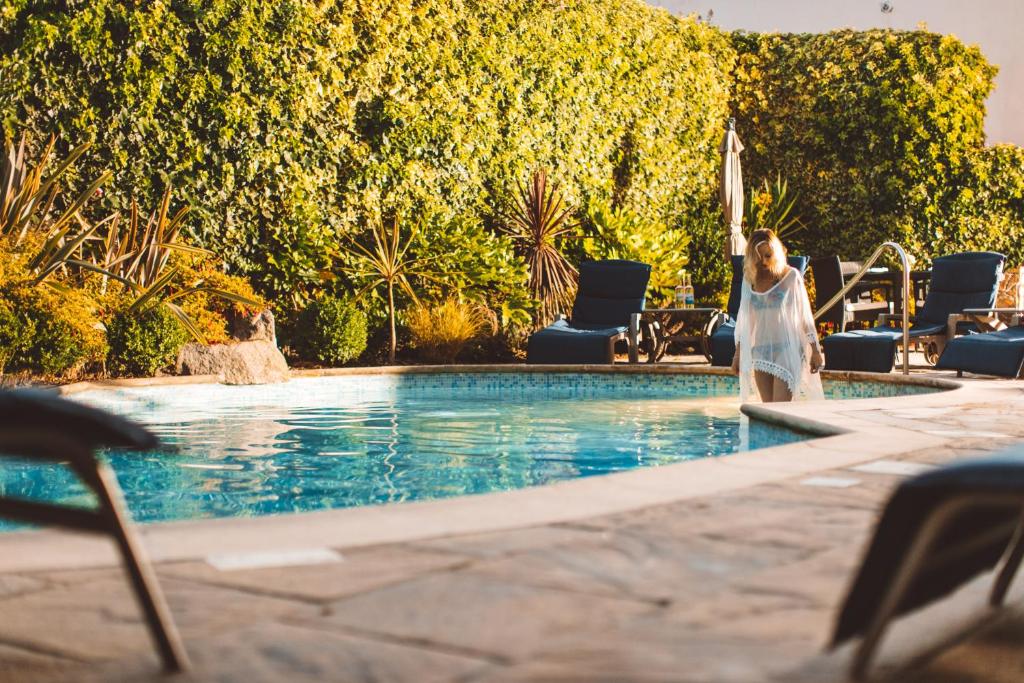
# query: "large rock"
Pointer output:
{"type": "Point", "coordinates": [259, 327]}
{"type": "Point", "coordinates": [248, 362]}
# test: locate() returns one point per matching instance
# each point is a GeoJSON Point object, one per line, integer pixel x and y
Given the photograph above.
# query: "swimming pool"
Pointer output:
{"type": "Point", "coordinates": [335, 442]}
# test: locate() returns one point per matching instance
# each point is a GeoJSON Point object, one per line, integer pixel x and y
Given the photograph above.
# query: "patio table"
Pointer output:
{"type": "Point", "coordinates": [657, 324]}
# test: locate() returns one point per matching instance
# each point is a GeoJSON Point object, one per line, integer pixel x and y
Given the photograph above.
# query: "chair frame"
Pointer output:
{"type": "Point", "coordinates": [918, 554]}
{"type": "Point", "coordinates": [109, 518]}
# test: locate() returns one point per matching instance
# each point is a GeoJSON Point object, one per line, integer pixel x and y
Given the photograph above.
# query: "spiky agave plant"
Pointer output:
{"type": "Point", "coordinates": [535, 221]}
{"type": "Point", "coordinates": [138, 257]}
{"type": "Point", "coordinates": [28, 204]}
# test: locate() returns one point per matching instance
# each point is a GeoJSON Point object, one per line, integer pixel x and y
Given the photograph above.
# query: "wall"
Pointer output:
{"type": "Point", "coordinates": [994, 25]}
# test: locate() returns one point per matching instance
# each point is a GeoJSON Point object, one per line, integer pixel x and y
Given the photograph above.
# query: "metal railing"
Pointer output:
{"type": "Point", "coordinates": [841, 294]}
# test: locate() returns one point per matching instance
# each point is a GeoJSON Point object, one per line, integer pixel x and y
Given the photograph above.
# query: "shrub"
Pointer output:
{"type": "Point", "coordinates": [16, 333]}
{"type": "Point", "coordinates": [64, 331]}
{"type": "Point", "coordinates": [293, 123]}
{"type": "Point", "coordinates": [143, 342]}
{"type": "Point", "coordinates": [439, 332]}
{"type": "Point", "coordinates": [874, 130]}
{"type": "Point", "coordinates": [331, 331]}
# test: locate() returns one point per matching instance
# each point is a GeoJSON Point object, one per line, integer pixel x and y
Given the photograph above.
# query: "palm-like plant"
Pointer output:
{"type": "Point", "coordinates": [387, 263]}
{"type": "Point", "coordinates": [138, 258]}
{"type": "Point", "coordinates": [538, 218]}
{"type": "Point", "coordinates": [771, 206]}
{"type": "Point", "coordinates": [28, 195]}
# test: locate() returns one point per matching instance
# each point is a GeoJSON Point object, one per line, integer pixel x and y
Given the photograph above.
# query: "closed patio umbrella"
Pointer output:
{"type": "Point", "coordinates": [730, 189]}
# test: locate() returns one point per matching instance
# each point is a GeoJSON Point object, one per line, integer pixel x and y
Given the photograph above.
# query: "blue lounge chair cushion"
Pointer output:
{"type": "Point", "coordinates": [972, 541]}
{"type": "Point", "coordinates": [861, 350]}
{"type": "Point", "coordinates": [561, 343]}
{"type": "Point", "coordinates": [992, 353]}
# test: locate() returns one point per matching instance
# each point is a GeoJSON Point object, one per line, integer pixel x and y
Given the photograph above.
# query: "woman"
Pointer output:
{"type": "Point", "coordinates": [776, 340]}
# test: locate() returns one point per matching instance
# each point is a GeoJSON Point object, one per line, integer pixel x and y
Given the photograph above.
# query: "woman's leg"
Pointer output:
{"type": "Point", "coordinates": [781, 392]}
{"type": "Point", "coordinates": [765, 385]}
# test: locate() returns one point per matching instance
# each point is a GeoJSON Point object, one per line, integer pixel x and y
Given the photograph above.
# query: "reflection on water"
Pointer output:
{"type": "Point", "coordinates": [256, 458]}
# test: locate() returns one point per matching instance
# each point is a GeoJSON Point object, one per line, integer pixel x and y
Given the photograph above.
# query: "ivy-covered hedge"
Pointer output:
{"type": "Point", "coordinates": [881, 134]}
{"type": "Point", "coordinates": [288, 124]}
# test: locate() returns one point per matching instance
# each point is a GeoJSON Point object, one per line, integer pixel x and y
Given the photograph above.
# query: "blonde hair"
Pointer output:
{"type": "Point", "coordinates": [776, 265]}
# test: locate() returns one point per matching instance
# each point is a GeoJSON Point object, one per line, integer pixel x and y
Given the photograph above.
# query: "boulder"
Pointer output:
{"type": "Point", "coordinates": [248, 362]}
{"type": "Point", "coordinates": [259, 327]}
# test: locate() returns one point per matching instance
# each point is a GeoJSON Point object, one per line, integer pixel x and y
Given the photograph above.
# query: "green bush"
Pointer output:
{"type": "Point", "coordinates": [288, 124]}
{"type": "Point", "coordinates": [16, 333]}
{"type": "Point", "coordinates": [331, 331]}
{"type": "Point", "coordinates": [876, 132]}
{"type": "Point", "coordinates": [143, 342]}
{"type": "Point", "coordinates": [56, 333]}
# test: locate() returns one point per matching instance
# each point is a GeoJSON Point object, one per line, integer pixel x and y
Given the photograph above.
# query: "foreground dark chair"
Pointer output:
{"type": "Point", "coordinates": [992, 353]}
{"type": "Point", "coordinates": [609, 293]}
{"type": "Point", "coordinates": [723, 339]}
{"type": "Point", "coordinates": [937, 532]}
{"type": "Point", "coordinates": [958, 282]}
{"type": "Point", "coordinates": [40, 426]}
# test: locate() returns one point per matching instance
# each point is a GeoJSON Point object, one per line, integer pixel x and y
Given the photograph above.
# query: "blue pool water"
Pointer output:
{"type": "Point", "coordinates": [319, 443]}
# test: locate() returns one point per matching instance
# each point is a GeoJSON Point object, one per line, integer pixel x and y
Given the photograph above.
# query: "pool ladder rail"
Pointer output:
{"type": "Point", "coordinates": [905, 314]}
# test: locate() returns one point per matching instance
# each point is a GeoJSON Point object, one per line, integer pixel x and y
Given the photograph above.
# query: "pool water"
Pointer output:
{"type": "Point", "coordinates": [319, 443]}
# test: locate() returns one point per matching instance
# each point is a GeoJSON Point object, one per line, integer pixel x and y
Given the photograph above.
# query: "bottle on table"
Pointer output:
{"type": "Point", "coordinates": [687, 292]}
{"type": "Point", "coordinates": [680, 291]}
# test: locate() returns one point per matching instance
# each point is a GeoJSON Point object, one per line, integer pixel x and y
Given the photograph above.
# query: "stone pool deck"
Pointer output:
{"type": "Point", "coordinates": [721, 570]}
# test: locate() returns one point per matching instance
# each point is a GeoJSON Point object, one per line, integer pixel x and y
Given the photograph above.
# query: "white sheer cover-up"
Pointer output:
{"type": "Point", "coordinates": [774, 333]}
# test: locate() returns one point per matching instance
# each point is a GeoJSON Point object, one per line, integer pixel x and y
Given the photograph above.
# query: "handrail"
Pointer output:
{"type": "Point", "coordinates": [906, 295]}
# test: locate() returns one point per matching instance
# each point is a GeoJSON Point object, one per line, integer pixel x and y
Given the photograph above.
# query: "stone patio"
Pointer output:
{"type": "Point", "coordinates": [739, 585]}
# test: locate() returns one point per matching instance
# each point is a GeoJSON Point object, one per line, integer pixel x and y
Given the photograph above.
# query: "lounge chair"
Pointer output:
{"type": "Point", "coordinates": [723, 339]}
{"type": "Point", "coordinates": [998, 353]}
{"type": "Point", "coordinates": [959, 281]}
{"type": "Point", "coordinates": [45, 427]}
{"type": "Point", "coordinates": [937, 532]}
{"type": "Point", "coordinates": [828, 280]}
{"type": "Point", "coordinates": [609, 293]}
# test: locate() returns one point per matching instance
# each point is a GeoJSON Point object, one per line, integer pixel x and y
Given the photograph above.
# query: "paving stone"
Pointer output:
{"type": "Point", "coordinates": [274, 652]}
{"type": "Point", "coordinates": [361, 569]}
{"type": "Point", "coordinates": [16, 584]}
{"type": "Point", "coordinates": [101, 620]}
{"type": "Point", "coordinates": [511, 542]}
{"type": "Point", "coordinates": [483, 615]}
{"type": "Point", "coordinates": [653, 568]}
{"type": "Point", "coordinates": [17, 664]}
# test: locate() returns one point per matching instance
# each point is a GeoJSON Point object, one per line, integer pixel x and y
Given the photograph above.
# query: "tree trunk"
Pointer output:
{"type": "Point", "coordinates": [391, 315]}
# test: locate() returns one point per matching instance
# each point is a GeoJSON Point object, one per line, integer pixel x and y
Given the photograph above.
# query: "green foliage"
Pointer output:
{"type": "Point", "coordinates": [142, 343]}
{"type": "Point", "coordinates": [874, 131]}
{"type": "Point", "coordinates": [621, 233]}
{"type": "Point", "coordinates": [770, 207]}
{"type": "Point", "coordinates": [331, 331]}
{"type": "Point", "coordinates": [290, 124]}
{"type": "Point", "coordinates": [710, 269]}
{"type": "Point", "coordinates": [987, 209]}
{"type": "Point", "coordinates": [16, 332]}
{"type": "Point", "coordinates": [58, 332]}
